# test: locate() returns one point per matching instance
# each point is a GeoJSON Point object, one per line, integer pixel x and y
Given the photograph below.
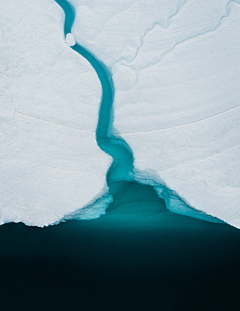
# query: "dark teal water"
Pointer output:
{"type": "Point", "coordinates": [138, 256]}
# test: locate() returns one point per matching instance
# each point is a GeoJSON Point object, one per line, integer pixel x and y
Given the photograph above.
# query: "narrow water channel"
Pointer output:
{"type": "Point", "coordinates": [116, 147]}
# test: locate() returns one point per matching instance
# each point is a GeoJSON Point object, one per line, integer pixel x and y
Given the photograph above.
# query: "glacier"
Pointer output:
{"type": "Point", "coordinates": [175, 111]}
{"type": "Point", "coordinates": [69, 153]}
{"type": "Point", "coordinates": [50, 163]}
{"type": "Point", "coordinates": [175, 67]}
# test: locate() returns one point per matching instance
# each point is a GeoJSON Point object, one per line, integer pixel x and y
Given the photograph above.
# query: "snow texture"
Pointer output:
{"type": "Point", "coordinates": [176, 70]}
{"type": "Point", "coordinates": [50, 164]}
{"type": "Point", "coordinates": [70, 40]}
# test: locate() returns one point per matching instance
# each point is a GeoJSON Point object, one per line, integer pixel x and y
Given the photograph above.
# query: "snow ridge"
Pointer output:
{"type": "Point", "coordinates": [226, 15]}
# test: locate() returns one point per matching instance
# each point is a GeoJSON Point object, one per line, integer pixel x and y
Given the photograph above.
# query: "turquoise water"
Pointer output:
{"type": "Point", "coordinates": [136, 257]}
{"type": "Point", "coordinates": [115, 146]}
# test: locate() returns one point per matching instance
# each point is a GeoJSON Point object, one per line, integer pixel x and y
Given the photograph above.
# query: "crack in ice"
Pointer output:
{"type": "Point", "coordinates": [227, 13]}
{"type": "Point", "coordinates": [55, 123]}
{"type": "Point", "coordinates": [187, 124]}
{"type": "Point", "coordinates": [179, 5]}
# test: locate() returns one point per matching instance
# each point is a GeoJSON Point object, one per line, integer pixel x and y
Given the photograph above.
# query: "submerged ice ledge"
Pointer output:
{"type": "Point", "coordinates": [174, 203]}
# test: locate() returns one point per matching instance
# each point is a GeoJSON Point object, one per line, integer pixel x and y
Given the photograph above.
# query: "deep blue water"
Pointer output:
{"type": "Point", "coordinates": [138, 256]}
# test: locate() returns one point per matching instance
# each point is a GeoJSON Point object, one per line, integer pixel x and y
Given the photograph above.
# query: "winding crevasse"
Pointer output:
{"type": "Point", "coordinates": [121, 169]}
{"type": "Point", "coordinates": [176, 77]}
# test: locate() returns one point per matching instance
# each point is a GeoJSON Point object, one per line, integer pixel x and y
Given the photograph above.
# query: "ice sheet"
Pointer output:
{"type": "Point", "coordinates": [50, 164]}
{"type": "Point", "coordinates": [175, 67]}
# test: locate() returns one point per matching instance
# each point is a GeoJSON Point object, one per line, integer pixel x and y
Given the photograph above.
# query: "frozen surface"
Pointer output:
{"type": "Point", "coordinates": [50, 164]}
{"type": "Point", "coordinates": [70, 39]}
{"type": "Point", "coordinates": [175, 67]}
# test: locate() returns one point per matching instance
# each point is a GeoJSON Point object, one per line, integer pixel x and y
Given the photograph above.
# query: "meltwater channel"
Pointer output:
{"type": "Point", "coordinates": [136, 257]}
{"type": "Point", "coordinates": [114, 146]}
{"type": "Point", "coordinates": [118, 174]}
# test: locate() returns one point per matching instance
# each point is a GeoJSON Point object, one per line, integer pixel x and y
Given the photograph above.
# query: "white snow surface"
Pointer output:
{"type": "Point", "coordinates": [176, 69]}
{"type": "Point", "coordinates": [50, 164]}
{"type": "Point", "coordinates": [70, 39]}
